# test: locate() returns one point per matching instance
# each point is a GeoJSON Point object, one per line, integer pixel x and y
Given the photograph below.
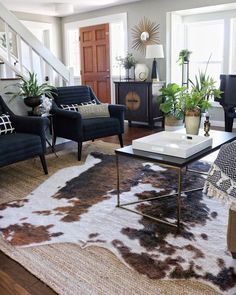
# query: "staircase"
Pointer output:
{"type": "Point", "coordinates": [21, 52]}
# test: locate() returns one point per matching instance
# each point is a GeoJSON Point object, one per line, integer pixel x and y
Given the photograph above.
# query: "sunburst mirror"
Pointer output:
{"type": "Point", "coordinates": [144, 33]}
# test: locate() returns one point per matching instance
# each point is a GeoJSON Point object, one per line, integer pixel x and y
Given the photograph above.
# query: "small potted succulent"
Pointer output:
{"type": "Point", "coordinates": [31, 91]}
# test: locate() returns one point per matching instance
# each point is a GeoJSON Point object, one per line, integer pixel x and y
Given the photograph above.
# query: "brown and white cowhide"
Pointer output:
{"type": "Point", "coordinates": [78, 205]}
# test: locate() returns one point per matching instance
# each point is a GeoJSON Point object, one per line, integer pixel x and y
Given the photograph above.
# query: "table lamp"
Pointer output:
{"type": "Point", "coordinates": [154, 51]}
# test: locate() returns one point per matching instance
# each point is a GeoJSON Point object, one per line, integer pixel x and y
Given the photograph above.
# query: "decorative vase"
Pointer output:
{"type": "Point", "coordinates": [33, 101]}
{"type": "Point", "coordinates": [192, 122]}
{"type": "Point", "coordinates": [172, 124]}
{"type": "Point", "coordinates": [127, 77]}
{"type": "Point", "coordinates": [141, 72]}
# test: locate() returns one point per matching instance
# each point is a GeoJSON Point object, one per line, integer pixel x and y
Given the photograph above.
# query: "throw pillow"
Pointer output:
{"type": "Point", "coordinates": [94, 111]}
{"type": "Point", "coordinates": [5, 124]}
{"type": "Point", "coordinates": [70, 107]}
{"type": "Point", "coordinates": [88, 102]}
{"type": "Point", "coordinates": [74, 107]}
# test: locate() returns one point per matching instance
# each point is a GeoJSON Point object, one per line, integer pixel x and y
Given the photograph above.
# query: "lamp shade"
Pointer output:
{"type": "Point", "coordinates": [154, 51]}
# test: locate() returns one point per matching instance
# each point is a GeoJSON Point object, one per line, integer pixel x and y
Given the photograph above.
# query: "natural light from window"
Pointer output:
{"type": "Point", "coordinates": [206, 41]}
{"type": "Point", "coordinates": [74, 56]}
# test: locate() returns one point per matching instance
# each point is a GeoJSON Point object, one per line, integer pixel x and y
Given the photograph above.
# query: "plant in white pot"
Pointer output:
{"type": "Point", "coordinates": [171, 105]}
{"type": "Point", "coordinates": [196, 100]}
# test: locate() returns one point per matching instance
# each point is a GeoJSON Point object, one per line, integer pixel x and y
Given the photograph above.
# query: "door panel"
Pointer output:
{"type": "Point", "coordinates": [95, 60]}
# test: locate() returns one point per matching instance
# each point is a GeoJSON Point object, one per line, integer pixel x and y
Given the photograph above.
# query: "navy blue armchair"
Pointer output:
{"type": "Point", "coordinates": [28, 139]}
{"type": "Point", "coordinates": [70, 124]}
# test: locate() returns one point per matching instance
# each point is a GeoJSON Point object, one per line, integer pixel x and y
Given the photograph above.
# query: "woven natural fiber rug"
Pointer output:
{"type": "Point", "coordinates": [68, 269]}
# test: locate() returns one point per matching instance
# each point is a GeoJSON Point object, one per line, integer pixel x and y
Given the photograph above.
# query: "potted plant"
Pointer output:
{"type": "Point", "coordinates": [128, 62]}
{"type": "Point", "coordinates": [184, 56]}
{"type": "Point", "coordinates": [30, 90]}
{"type": "Point", "coordinates": [171, 105]}
{"type": "Point", "coordinates": [196, 100]}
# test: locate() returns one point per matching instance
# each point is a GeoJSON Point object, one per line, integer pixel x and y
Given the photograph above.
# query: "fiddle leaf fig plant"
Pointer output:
{"type": "Point", "coordinates": [172, 100]}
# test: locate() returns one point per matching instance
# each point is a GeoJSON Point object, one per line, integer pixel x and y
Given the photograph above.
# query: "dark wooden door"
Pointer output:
{"type": "Point", "coordinates": [95, 60]}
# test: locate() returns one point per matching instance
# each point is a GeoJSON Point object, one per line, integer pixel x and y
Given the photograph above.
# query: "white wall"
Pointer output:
{"type": "Point", "coordinates": [56, 34]}
{"type": "Point", "coordinates": [155, 10]}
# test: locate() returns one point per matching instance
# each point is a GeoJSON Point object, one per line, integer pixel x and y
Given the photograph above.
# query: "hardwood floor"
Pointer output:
{"type": "Point", "coordinates": [14, 279]}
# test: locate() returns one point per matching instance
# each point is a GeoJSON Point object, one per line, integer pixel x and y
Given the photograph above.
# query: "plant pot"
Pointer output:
{"type": "Point", "coordinates": [192, 122]}
{"type": "Point", "coordinates": [172, 124]}
{"type": "Point", "coordinates": [33, 102]}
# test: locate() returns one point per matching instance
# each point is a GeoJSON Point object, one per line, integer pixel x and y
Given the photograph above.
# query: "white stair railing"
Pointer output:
{"type": "Point", "coordinates": [22, 52]}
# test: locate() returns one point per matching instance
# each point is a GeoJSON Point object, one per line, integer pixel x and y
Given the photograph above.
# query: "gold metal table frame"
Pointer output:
{"type": "Point", "coordinates": [177, 194]}
{"type": "Point", "coordinates": [179, 164]}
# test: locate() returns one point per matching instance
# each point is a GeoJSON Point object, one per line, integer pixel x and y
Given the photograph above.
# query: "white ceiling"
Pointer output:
{"type": "Point", "coordinates": [60, 7]}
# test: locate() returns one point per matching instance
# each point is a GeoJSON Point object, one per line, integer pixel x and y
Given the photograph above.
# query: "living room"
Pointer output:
{"type": "Point", "coordinates": [67, 228]}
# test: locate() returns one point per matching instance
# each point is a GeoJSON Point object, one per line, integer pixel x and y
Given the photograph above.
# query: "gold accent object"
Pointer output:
{"type": "Point", "coordinates": [207, 126]}
{"type": "Point", "coordinates": [146, 32]}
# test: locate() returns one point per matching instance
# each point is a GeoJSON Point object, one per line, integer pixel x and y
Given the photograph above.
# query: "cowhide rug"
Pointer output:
{"type": "Point", "coordinates": [78, 205]}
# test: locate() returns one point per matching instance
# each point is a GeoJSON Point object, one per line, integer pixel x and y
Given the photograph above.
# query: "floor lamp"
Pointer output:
{"type": "Point", "coordinates": [154, 51]}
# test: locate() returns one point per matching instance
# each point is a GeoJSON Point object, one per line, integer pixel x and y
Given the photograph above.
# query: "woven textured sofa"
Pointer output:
{"type": "Point", "coordinates": [71, 124]}
{"type": "Point", "coordinates": [27, 140]}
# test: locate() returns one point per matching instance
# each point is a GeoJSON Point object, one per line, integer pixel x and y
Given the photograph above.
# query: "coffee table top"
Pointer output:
{"type": "Point", "coordinates": [219, 138]}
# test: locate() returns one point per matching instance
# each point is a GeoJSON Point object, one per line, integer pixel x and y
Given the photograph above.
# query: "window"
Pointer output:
{"type": "Point", "coordinates": [206, 41]}
{"type": "Point", "coordinates": [208, 34]}
{"type": "Point", "coordinates": [233, 46]}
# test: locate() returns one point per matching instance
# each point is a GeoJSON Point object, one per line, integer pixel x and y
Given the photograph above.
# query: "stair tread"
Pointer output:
{"type": "Point", "coordinates": [15, 78]}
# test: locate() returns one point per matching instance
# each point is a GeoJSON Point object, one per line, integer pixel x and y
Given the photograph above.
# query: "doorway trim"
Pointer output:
{"type": "Point", "coordinates": [113, 18]}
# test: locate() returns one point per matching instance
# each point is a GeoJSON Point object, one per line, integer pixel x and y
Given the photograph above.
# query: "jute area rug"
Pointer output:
{"type": "Point", "coordinates": [66, 267]}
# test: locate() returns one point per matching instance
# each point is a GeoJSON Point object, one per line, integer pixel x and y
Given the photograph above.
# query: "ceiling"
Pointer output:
{"type": "Point", "coordinates": [60, 7]}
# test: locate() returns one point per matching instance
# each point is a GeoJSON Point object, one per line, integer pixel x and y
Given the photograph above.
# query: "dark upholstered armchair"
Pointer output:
{"type": "Point", "coordinates": [72, 125]}
{"type": "Point", "coordinates": [26, 141]}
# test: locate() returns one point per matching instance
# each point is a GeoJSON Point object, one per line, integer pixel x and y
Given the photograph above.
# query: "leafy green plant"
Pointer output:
{"type": "Point", "coordinates": [172, 100]}
{"type": "Point", "coordinates": [31, 88]}
{"type": "Point", "coordinates": [202, 90]}
{"type": "Point", "coordinates": [129, 61]}
{"type": "Point", "coordinates": [184, 56]}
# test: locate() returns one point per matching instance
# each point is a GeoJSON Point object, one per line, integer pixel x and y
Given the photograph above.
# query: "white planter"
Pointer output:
{"type": "Point", "coordinates": [141, 72]}
{"type": "Point", "coordinates": [172, 124]}
{"type": "Point", "coordinates": [192, 124]}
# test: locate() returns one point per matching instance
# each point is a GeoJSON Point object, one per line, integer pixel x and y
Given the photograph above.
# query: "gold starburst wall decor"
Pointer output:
{"type": "Point", "coordinates": [144, 33]}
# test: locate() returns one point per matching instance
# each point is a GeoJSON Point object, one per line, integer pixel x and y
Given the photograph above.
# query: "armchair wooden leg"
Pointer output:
{"type": "Point", "coordinates": [44, 164]}
{"type": "Point", "coordinates": [120, 140]}
{"type": "Point", "coordinates": [54, 139]}
{"type": "Point", "coordinates": [79, 150]}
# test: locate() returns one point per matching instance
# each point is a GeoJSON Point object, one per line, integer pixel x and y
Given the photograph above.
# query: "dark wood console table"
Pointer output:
{"type": "Point", "coordinates": [140, 98]}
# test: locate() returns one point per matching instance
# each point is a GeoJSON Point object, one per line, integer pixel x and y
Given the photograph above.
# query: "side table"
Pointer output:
{"type": "Point", "coordinates": [49, 127]}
